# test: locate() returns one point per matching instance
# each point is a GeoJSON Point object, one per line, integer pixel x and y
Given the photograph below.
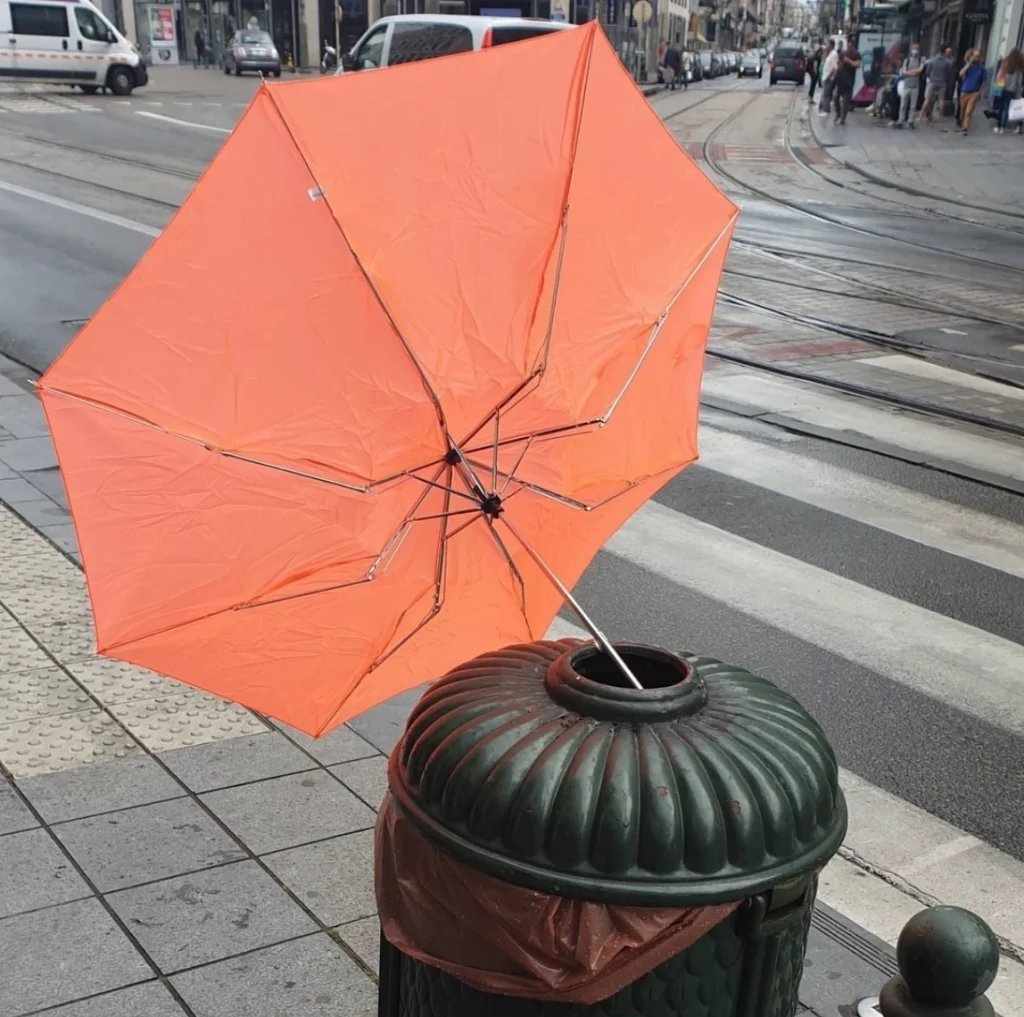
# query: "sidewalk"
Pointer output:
{"type": "Point", "coordinates": [163, 852]}
{"type": "Point", "coordinates": [983, 169]}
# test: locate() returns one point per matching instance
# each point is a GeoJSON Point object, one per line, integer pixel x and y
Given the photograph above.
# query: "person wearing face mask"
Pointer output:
{"type": "Point", "coordinates": [913, 68]}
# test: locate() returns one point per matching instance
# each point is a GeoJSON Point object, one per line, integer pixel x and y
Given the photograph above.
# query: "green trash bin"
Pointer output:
{"type": "Point", "coordinates": [539, 766]}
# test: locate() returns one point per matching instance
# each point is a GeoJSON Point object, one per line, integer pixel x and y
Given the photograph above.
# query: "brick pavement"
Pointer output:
{"type": "Point", "coordinates": [983, 169]}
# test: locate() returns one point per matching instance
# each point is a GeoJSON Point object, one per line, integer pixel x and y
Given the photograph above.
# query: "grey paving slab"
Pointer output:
{"type": "Point", "coordinates": [150, 999]}
{"type": "Point", "coordinates": [35, 873]}
{"type": "Point", "coordinates": [22, 416]}
{"type": "Point", "coordinates": [122, 849]}
{"type": "Point", "coordinates": [383, 725]}
{"type": "Point", "coordinates": [363, 937]}
{"type": "Point", "coordinates": [16, 489]}
{"type": "Point", "coordinates": [51, 484]}
{"type": "Point", "coordinates": [14, 814]}
{"type": "Point", "coordinates": [102, 787]}
{"type": "Point", "coordinates": [367, 778]}
{"type": "Point", "coordinates": [338, 746]}
{"type": "Point", "coordinates": [333, 878]}
{"type": "Point", "coordinates": [207, 916]}
{"type": "Point", "coordinates": [10, 388]}
{"type": "Point", "coordinates": [63, 953]}
{"type": "Point", "coordinates": [64, 536]}
{"type": "Point", "coordinates": [237, 761]}
{"type": "Point", "coordinates": [288, 811]}
{"type": "Point", "coordinates": [308, 977]}
{"type": "Point", "coordinates": [27, 454]}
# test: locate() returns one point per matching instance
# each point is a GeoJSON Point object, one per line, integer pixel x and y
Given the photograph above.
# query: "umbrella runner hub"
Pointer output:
{"type": "Point", "coordinates": [491, 506]}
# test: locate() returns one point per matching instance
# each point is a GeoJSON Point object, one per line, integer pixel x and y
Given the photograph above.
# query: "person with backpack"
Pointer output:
{"type": "Point", "coordinates": [940, 76]}
{"type": "Point", "coordinates": [910, 73]}
{"type": "Point", "coordinates": [845, 76]}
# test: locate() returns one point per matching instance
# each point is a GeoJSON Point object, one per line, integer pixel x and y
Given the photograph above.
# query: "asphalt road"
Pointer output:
{"type": "Point", "coordinates": [70, 233]}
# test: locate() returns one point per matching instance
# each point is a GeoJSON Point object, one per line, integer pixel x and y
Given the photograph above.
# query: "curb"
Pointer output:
{"type": "Point", "coordinates": [881, 181]}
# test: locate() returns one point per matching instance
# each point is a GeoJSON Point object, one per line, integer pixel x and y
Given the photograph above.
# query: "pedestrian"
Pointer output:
{"type": "Point", "coordinates": [686, 60]}
{"type": "Point", "coordinates": [911, 71]}
{"type": "Point", "coordinates": [814, 69]}
{"type": "Point", "coordinates": [828, 77]}
{"type": "Point", "coordinates": [1011, 76]}
{"type": "Point", "coordinates": [200, 48]}
{"type": "Point", "coordinates": [972, 80]}
{"type": "Point", "coordinates": [845, 76]}
{"type": "Point", "coordinates": [671, 66]}
{"type": "Point", "coordinates": [939, 72]}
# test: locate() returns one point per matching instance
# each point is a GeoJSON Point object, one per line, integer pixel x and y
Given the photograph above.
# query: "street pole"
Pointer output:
{"type": "Point", "coordinates": [337, 31]}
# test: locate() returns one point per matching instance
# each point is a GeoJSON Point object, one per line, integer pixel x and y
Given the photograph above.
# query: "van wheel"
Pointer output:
{"type": "Point", "coordinates": [120, 81]}
{"type": "Point", "coordinates": [277, 73]}
{"type": "Point", "coordinates": [238, 72]}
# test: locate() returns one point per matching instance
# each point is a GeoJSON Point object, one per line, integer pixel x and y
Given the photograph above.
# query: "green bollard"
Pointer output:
{"type": "Point", "coordinates": [948, 958]}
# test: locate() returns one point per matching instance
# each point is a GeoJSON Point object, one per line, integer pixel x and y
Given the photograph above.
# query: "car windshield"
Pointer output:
{"type": "Point", "coordinates": [787, 54]}
{"type": "Point", "coordinates": [255, 39]}
{"type": "Point", "coordinates": [751, 58]}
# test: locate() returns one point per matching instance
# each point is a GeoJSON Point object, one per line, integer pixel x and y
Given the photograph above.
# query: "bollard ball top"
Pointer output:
{"type": "Point", "coordinates": [947, 956]}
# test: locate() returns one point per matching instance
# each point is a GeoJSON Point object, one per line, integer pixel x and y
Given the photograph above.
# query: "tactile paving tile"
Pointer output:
{"type": "Point", "coordinates": [41, 693]}
{"type": "Point", "coordinates": [20, 652]}
{"type": "Point", "coordinates": [34, 567]}
{"type": "Point", "coordinates": [49, 744]}
{"type": "Point", "coordinates": [74, 639]}
{"type": "Point", "coordinates": [48, 602]}
{"type": "Point", "coordinates": [112, 681]}
{"type": "Point", "coordinates": [190, 718]}
{"type": "Point", "coordinates": [7, 620]}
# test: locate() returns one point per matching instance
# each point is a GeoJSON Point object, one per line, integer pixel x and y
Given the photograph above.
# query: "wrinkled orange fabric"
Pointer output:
{"type": "Point", "coordinates": [513, 941]}
{"type": "Point", "coordinates": [253, 429]}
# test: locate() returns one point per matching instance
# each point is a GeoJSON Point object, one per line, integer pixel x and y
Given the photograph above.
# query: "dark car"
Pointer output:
{"type": "Point", "coordinates": [788, 63]}
{"type": "Point", "coordinates": [707, 64]}
{"type": "Point", "coordinates": [252, 50]}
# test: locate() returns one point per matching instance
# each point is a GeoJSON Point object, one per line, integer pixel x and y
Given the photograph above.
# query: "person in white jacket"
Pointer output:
{"type": "Point", "coordinates": [828, 78]}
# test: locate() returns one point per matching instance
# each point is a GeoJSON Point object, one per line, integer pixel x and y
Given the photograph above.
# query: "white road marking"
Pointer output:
{"type": "Point", "coordinates": [971, 670]}
{"type": "Point", "coordinates": [889, 841]}
{"type": "Point", "coordinates": [73, 206]}
{"type": "Point", "coordinates": [915, 433]}
{"type": "Point", "coordinates": [917, 368]}
{"type": "Point", "coordinates": [919, 517]}
{"type": "Point", "coordinates": [183, 123]}
{"type": "Point", "coordinates": [952, 331]}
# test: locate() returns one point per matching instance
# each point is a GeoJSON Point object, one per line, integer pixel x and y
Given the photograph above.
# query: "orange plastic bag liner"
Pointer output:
{"type": "Point", "coordinates": [509, 940]}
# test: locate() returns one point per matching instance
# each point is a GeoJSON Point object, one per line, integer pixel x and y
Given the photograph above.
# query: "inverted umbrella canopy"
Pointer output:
{"type": "Point", "coordinates": [415, 338]}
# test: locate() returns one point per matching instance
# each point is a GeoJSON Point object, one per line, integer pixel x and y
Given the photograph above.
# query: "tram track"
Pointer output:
{"type": "Point", "coordinates": [709, 157]}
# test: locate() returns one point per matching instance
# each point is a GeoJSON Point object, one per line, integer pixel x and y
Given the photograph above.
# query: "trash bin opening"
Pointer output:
{"type": "Point", "coordinates": [654, 668]}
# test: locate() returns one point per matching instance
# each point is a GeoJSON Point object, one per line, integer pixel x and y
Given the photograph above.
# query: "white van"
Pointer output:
{"type": "Point", "coordinates": [404, 38]}
{"type": "Point", "coordinates": [66, 42]}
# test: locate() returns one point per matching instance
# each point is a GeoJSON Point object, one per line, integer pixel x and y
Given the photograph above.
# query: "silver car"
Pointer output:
{"type": "Point", "coordinates": [252, 50]}
{"type": "Point", "coordinates": [750, 63]}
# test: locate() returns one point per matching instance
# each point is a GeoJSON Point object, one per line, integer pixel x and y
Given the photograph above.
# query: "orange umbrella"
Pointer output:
{"type": "Point", "coordinates": [418, 341]}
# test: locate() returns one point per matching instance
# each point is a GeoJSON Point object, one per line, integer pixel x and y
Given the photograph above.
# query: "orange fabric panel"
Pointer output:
{"type": "Point", "coordinates": [654, 426]}
{"type": "Point", "coordinates": [641, 217]}
{"type": "Point", "coordinates": [451, 190]}
{"type": "Point", "coordinates": [249, 326]}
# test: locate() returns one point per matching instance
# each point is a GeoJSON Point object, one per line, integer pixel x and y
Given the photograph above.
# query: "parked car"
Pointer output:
{"type": "Point", "coordinates": [707, 63]}
{"type": "Point", "coordinates": [68, 43]}
{"type": "Point", "coordinates": [719, 66]}
{"type": "Point", "coordinates": [788, 63]}
{"type": "Point", "coordinates": [750, 63]}
{"type": "Point", "coordinates": [252, 50]}
{"type": "Point", "coordinates": [696, 68]}
{"type": "Point", "coordinates": [405, 38]}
